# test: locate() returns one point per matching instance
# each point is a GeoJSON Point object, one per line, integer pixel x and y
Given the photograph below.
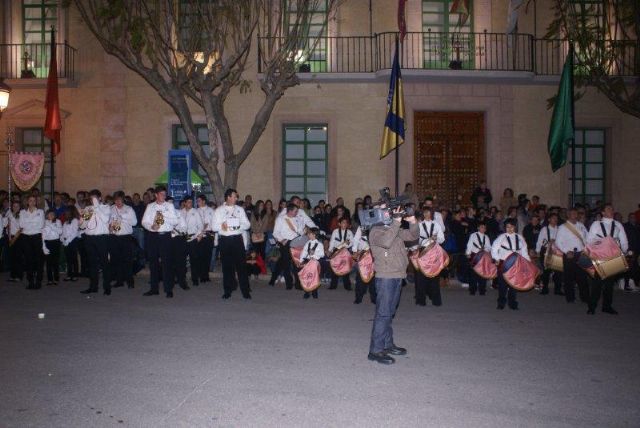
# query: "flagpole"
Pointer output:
{"type": "Point", "coordinates": [397, 109]}
{"type": "Point", "coordinates": [51, 146]}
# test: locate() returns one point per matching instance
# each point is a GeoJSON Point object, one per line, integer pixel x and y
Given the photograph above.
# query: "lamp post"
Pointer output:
{"type": "Point", "coordinates": [5, 91]}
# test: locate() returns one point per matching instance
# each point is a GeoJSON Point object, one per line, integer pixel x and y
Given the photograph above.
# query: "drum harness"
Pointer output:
{"type": "Point", "coordinates": [311, 250]}
{"type": "Point", "coordinates": [480, 244]}
{"type": "Point", "coordinates": [511, 245]}
{"type": "Point", "coordinates": [604, 231]}
{"type": "Point", "coordinates": [429, 233]}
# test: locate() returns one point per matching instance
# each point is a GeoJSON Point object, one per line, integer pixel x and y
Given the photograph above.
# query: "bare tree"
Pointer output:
{"type": "Point", "coordinates": [199, 50]}
{"type": "Point", "coordinates": [607, 51]}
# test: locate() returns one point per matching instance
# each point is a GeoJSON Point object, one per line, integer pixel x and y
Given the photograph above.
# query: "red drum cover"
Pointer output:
{"type": "Point", "coordinates": [341, 262]}
{"type": "Point", "coordinates": [603, 249]}
{"type": "Point", "coordinates": [483, 265]}
{"type": "Point", "coordinates": [295, 254]}
{"type": "Point", "coordinates": [433, 261]}
{"type": "Point", "coordinates": [365, 267]}
{"type": "Point", "coordinates": [519, 272]}
{"type": "Point", "coordinates": [310, 275]}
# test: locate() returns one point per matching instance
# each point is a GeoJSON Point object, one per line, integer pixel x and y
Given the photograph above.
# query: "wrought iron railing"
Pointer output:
{"type": "Point", "coordinates": [31, 61]}
{"type": "Point", "coordinates": [436, 51]}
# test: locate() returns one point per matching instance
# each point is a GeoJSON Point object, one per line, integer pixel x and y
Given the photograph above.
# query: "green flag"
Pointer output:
{"type": "Point", "coordinates": [561, 133]}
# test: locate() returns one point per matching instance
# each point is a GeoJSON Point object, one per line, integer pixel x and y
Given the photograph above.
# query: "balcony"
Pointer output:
{"type": "Point", "coordinates": [444, 56]}
{"type": "Point", "coordinates": [27, 65]}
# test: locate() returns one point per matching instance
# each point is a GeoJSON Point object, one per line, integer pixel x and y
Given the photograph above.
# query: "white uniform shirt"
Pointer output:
{"type": "Point", "coordinates": [429, 228]}
{"type": "Point", "coordinates": [52, 230]}
{"type": "Point", "coordinates": [12, 223]}
{"type": "Point", "coordinates": [501, 249]}
{"type": "Point", "coordinates": [339, 236]}
{"type": "Point", "coordinates": [206, 214]}
{"type": "Point", "coordinates": [360, 241]}
{"type": "Point", "coordinates": [194, 225]}
{"type": "Point", "coordinates": [478, 242]}
{"type": "Point", "coordinates": [437, 217]}
{"type": "Point", "coordinates": [234, 216]}
{"type": "Point", "coordinates": [287, 228]}
{"type": "Point", "coordinates": [596, 232]}
{"type": "Point", "coordinates": [127, 218]}
{"type": "Point", "coordinates": [312, 250]}
{"type": "Point", "coordinates": [301, 219]}
{"type": "Point", "coordinates": [69, 232]}
{"type": "Point", "coordinates": [31, 223]}
{"type": "Point", "coordinates": [567, 241]}
{"type": "Point", "coordinates": [98, 224]}
{"type": "Point", "coordinates": [169, 214]}
{"type": "Point", "coordinates": [543, 237]}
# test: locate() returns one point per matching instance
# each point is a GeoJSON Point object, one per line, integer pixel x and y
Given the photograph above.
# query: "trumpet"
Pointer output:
{"type": "Point", "coordinates": [116, 226]}
{"type": "Point", "coordinates": [159, 219]}
{"type": "Point", "coordinates": [87, 214]}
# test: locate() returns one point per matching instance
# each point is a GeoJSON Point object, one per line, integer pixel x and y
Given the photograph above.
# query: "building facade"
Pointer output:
{"type": "Point", "coordinates": [475, 98]}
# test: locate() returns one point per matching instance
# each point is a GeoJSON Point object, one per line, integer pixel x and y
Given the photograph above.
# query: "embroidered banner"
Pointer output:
{"type": "Point", "coordinates": [26, 169]}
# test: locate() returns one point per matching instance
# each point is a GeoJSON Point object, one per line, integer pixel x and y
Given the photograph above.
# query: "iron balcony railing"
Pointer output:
{"type": "Point", "coordinates": [433, 51]}
{"type": "Point", "coordinates": [31, 61]}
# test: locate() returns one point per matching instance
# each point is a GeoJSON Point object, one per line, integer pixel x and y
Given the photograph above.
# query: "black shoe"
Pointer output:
{"type": "Point", "coordinates": [357, 301]}
{"type": "Point", "coordinates": [380, 357]}
{"type": "Point", "coordinates": [501, 307]}
{"type": "Point", "coordinates": [306, 296]}
{"type": "Point", "coordinates": [107, 292]}
{"type": "Point", "coordinates": [333, 288]}
{"type": "Point", "coordinates": [89, 291]}
{"type": "Point", "coordinates": [246, 296]}
{"type": "Point", "coordinates": [315, 296]}
{"type": "Point", "coordinates": [185, 287]}
{"type": "Point", "coordinates": [226, 296]}
{"type": "Point", "coordinates": [558, 293]}
{"type": "Point", "coordinates": [272, 283]}
{"type": "Point", "coordinates": [513, 308]}
{"type": "Point", "coordinates": [195, 283]}
{"type": "Point", "coordinates": [544, 292]}
{"type": "Point", "coordinates": [610, 311]}
{"type": "Point", "coordinates": [421, 303]}
{"type": "Point", "coordinates": [482, 293]}
{"type": "Point", "coordinates": [169, 294]}
{"type": "Point", "coordinates": [151, 293]}
{"type": "Point", "coordinates": [348, 289]}
{"type": "Point", "coordinates": [118, 285]}
{"type": "Point", "coordinates": [395, 350]}
{"type": "Point", "coordinates": [591, 311]}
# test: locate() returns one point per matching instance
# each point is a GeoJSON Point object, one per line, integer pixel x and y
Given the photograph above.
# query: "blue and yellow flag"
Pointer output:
{"type": "Point", "coordinates": [393, 134]}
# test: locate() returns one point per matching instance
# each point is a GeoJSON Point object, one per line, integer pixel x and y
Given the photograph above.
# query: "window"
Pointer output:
{"type": "Point", "coordinates": [446, 43]}
{"type": "Point", "coordinates": [180, 142]}
{"type": "Point", "coordinates": [311, 58]}
{"type": "Point", "coordinates": [304, 156]}
{"type": "Point", "coordinates": [33, 140]}
{"type": "Point", "coordinates": [189, 24]}
{"type": "Point", "coordinates": [587, 166]}
{"type": "Point", "coordinates": [38, 16]}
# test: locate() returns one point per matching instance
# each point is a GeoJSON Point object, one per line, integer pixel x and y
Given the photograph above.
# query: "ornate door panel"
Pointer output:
{"type": "Point", "coordinates": [449, 155]}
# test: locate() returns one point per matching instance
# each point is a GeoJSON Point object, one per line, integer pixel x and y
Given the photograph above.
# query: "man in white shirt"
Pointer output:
{"type": "Point", "coordinates": [205, 245]}
{"type": "Point", "coordinates": [547, 239]}
{"type": "Point", "coordinates": [159, 219]}
{"type": "Point", "coordinates": [94, 220]}
{"type": "Point", "coordinates": [121, 222]}
{"type": "Point", "coordinates": [504, 245]}
{"type": "Point", "coordinates": [570, 240]}
{"type": "Point", "coordinates": [31, 222]}
{"type": "Point", "coordinates": [230, 221]}
{"type": "Point", "coordinates": [607, 227]}
{"type": "Point", "coordinates": [192, 234]}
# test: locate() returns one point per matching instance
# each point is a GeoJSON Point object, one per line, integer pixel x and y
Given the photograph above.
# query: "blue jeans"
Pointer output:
{"type": "Point", "coordinates": [387, 299]}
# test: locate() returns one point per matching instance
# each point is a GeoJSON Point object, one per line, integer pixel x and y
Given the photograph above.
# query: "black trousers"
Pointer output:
{"type": "Point", "coordinates": [427, 287]}
{"type": "Point", "coordinates": [284, 267]}
{"type": "Point", "coordinates": [194, 260]}
{"type": "Point", "coordinates": [548, 275]}
{"type": "Point", "coordinates": [33, 256]}
{"type": "Point", "coordinates": [84, 257]}
{"type": "Point", "coordinates": [121, 254]}
{"type": "Point", "coordinates": [476, 282]}
{"type": "Point", "coordinates": [346, 281]}
{"type": "Point", "coordinates": [572, 274]}
{"type": "Point", "coordinates": [16, 259]}
{"type": "Point", "coordinates": [203, 260]}
{"type": "Point", "coordinates": [71, 255]}
{"type": "Point", "coordinates": [233, 257]}
{"type": "Point", "coordinates": [506, 294]}
{"type": "Point", "coordinates": [97, 247]}
{"type": "Point", "coordinates": [179, 259]}
{"type": "Point", "coordinates": [362, 288]}
{"type": "Point", "coordinates": [158, 247]}
{"type": "Point", "coordinates": [53, 260]}
{"type": "Point", "coordinates": [601, 286]}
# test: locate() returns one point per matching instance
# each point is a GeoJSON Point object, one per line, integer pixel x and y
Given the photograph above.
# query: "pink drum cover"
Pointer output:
{"type": "Point", "coordinates": [295, 254]}
{"type": "Point", "coordinates": [603, 249]}
{"type": "Point", "coordinates": [310, 275]}
{"type": "Point", "coordinates": [485, 268]}
{"type": "Point", "coordinates": [522, 274]}
{"type": "Point", "coordinates": [365, 267]}
{"type": "Point", "coordinates": [433, 261]}
{"type": "Point", "coordinates": [341, 262]}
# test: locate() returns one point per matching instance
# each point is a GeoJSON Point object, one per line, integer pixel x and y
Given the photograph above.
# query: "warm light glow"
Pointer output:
{"type": "Point", "coordinates": [5, 90]}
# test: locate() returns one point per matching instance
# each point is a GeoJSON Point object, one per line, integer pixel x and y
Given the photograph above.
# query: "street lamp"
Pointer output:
{"type": "Point", "coordinates": [5, 90]}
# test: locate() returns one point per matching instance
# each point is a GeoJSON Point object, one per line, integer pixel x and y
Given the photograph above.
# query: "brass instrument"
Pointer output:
{"type": "Point", "coordinates": [87, 214]}
{"type": "Point", "coordinates": [116, 226]}
{"type": "Point", "coordinates": [159, 219]}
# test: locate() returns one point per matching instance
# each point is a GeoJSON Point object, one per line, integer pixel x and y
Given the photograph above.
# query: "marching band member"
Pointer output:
{"type": "Point", "coordinates": [546, 239]}
{"type": "Point", "coordinates": [436, 215]}
{"type": "Point", "coordinates": [51, 246]}
{"type": "Point", "coordinates": [478, 241]}
{"type": "Point", "coordinates": [95, 224]}
{"type": "Point", "coordinates": [121, 222]}
{"type": "Point", "coordinates": [230, 222]}
{"type": "Point", "coordinates": [600, 229]}
{"type": "Point", "coordinates": [31, 222]}
{"type": "Point", "coordinates": [159, 219]}
{"type": "Point", "coordinates": [430, 230]}
{"type": "Point", "coordinates": [505, 244]}
{"type": "Point", "coordinates": [12, 224]}
{"type": "Point", "coordinates": [313, 249]}
{"type": "Point", "coordinates": [361, 243]}
{"type": "Point", "coordinates": [570, 240]}
{"type": "Point", "coordinates": [70, 238]}
{"type": "Point", "coordinates": [179, 247]}
{"type": "Point", "coordinates": [194, 230]}
{"type": "Point", "coordinates": [342, 237]}
{"type": "Point", "coordinates": [202, 260]}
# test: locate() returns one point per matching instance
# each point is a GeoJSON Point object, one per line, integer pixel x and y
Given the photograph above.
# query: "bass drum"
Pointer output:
{"type": "Point", "coordinates": [519, 272]}
{"type": "Point", "coordinates": [366, 269]}
{"type": "Point", "coordinates": [483, 265]}
{"type": "Point", "coordinates": [341, 262]}
{"type": "Point", "coordinates": [309, 276]}
{"type": "Point", "coordinates": [432, 260]}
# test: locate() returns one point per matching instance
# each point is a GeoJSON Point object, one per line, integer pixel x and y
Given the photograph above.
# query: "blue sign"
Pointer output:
{"type": "Point", "coordinates": [179, 181]}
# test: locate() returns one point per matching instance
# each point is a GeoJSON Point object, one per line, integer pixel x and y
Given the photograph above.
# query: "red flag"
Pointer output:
{"type": "Point", "coordinates": [402, 21]}
{"type": "Point", "coordinates": [52, 123]}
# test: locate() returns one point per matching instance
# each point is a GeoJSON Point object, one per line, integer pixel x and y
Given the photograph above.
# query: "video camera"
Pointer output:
{"type": "Point", "coordinates": [378, 216]}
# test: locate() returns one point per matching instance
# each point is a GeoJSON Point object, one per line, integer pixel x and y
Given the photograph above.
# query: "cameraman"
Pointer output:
{"type": "Point", "coordinates": [390, 258]}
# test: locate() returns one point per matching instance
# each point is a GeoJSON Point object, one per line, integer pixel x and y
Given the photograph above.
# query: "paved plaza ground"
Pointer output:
{"type": "Point", "coordinates": [279, 360]}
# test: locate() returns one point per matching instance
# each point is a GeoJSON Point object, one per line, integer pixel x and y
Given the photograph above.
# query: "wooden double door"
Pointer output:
{"type": "Point", "coordinates": [449, 156]}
